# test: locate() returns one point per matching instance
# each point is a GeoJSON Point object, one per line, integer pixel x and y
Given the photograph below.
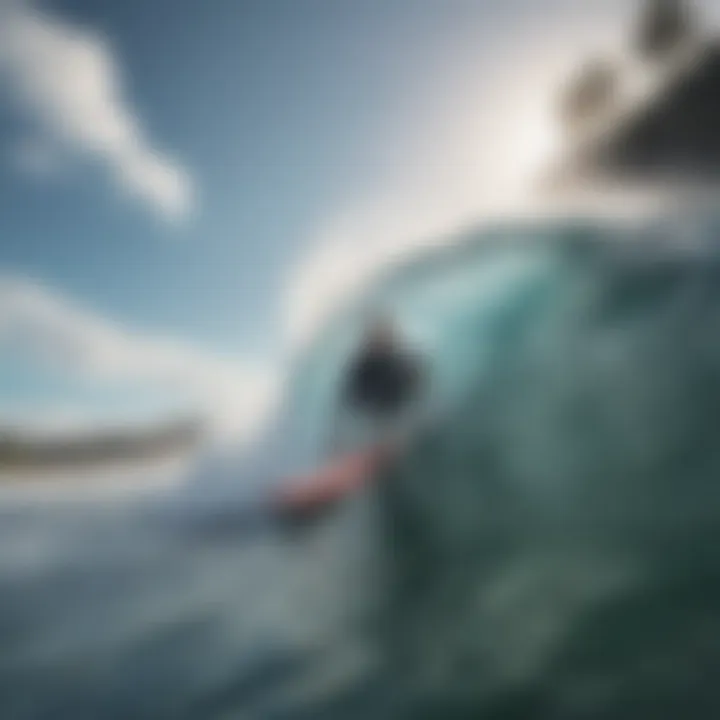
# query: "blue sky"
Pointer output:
{"type": "Point", "coordinates": [186, 173]}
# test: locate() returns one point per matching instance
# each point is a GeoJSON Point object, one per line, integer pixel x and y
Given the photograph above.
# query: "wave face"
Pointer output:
{"type": "Point", "coordinates": [551, 547]}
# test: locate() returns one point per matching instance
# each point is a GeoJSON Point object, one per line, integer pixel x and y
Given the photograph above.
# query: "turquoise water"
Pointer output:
{"type": "Point", "coordinates": [547, 550]}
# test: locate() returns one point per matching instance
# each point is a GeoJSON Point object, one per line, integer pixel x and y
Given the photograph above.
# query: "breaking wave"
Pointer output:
{"type": "Point", "coordinates": [550, 547]}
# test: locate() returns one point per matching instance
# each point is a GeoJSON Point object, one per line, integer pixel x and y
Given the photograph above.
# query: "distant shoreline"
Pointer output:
{"type": "Point", "coordinates": [21, 455]}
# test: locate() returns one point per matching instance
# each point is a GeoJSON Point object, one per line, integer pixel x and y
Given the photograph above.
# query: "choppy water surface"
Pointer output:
{"type": "Point", "coordinates": [548, 550]}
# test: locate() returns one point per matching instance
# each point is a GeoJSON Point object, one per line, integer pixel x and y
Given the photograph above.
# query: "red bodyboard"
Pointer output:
{"type": "Point", "coordinates": [332, 483]}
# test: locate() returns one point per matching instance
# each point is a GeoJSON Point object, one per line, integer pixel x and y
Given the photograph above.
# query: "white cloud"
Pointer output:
{"type": "Point", "coordinates": [52, 331]}
{"type": "Point", "coordinates": [70, 83]}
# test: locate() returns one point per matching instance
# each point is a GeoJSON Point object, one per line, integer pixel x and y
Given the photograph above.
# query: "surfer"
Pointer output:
{"type": "Point", "coordinates": [381, 390]}
{"type": "Point", "coordinates": [378, 406]}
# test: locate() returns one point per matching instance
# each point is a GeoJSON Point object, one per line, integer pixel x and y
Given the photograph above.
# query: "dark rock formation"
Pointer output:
{"type": "Point", "coordinates": [671, 136]}
{"type": "Point", "coordinates": [675, 137]}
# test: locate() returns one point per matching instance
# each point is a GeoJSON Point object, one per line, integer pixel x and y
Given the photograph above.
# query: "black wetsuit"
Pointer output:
{"type": "Point", "coordinates": [382, 383]}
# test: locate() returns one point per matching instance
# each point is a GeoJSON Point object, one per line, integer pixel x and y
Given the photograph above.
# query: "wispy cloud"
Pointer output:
{"type": "Point", "coordinates": [69, 82]}
{"type": "Point", "coordinates": [52, 331]}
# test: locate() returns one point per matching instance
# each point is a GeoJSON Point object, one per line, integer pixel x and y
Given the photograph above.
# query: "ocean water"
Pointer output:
{"type": "Point", "coordinates": [548, 549]}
